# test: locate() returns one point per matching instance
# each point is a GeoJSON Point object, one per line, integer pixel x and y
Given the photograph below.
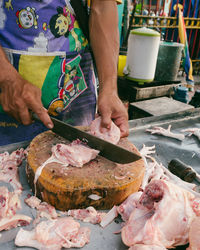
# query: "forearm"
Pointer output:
{"type": "Point", "coordinates": [18, 96]}
{"type": "Point", "coordinates": [104, 38]}
{"type": "Point", "coordinates": [7, 71]}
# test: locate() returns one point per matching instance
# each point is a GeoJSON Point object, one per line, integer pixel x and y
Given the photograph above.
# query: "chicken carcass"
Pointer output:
{"type": "Point", "coordinates": [194, 232]}
{"type": "Point", "coordinates": [162, 217]}
{"type": "Point", "coordinates": [156, 171]}
{"type": "Point", "coordinates": [9, 164]}
{"type": "Point", "coordinates": [54, 234]}
{"type": "Point", "coordinates": [112, 135]}
{"type": "Point", "coordinates": [126, 208]}
{"type": "Point", "coordinates": [146, 247]}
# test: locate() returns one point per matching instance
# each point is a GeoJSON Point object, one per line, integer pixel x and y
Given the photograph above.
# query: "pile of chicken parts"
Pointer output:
{"type": "Point", "coordinates": [163, 214]}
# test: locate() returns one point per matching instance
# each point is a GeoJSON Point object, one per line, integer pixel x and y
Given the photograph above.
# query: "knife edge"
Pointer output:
{"type": "Point", "coordinates": [107, 149]}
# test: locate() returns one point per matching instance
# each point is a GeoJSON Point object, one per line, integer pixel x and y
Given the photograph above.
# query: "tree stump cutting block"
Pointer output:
{"type": "Point", "coordinates": [70, 187]}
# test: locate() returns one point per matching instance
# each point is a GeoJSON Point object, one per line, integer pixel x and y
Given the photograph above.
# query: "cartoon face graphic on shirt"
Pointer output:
{"type": "Point", "coordinates": [63, 24]}
{"type": "Point", "coordinates": [27, 18]}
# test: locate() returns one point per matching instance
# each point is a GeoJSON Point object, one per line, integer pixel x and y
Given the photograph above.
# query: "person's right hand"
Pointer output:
{"type": "Point", "coordinates": [19, 98]}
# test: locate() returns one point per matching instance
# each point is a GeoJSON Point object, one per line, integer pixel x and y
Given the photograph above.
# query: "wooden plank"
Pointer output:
{"type": "Point", "coordinates": [152, 92]}
{"type": "Point", "coordinates": [132, 91]}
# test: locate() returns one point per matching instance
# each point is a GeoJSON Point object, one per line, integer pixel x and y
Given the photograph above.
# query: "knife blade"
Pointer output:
{"type": "Point", "coordinates": [108, 150]}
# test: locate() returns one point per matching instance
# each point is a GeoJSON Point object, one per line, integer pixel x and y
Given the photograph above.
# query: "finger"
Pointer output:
{"type": "Point", "coordinates": [124, 130]}
{"type": "Point", "coordinates": [15, 116]}
{"type": "Point", "coordinates": [37, 107]}
{"type": "Point", "coordinates": [123, 125]}
{"type": "Point", "coordinates": [25, 116]}
{"type": "Point", "coordinates": [44, 117]}
{"type": "Point", "coordinates": [105, 122]}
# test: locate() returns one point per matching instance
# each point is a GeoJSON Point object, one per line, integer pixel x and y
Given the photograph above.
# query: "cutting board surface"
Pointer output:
{"type": "Point", "coordinates": [69, 187]}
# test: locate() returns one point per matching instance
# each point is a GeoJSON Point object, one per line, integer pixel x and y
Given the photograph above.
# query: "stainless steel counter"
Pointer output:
{"type": "Point", "coordinates": [187, 151]}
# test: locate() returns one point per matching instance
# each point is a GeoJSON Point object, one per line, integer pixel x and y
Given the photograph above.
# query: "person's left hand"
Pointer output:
{"type": "Point", "coordinates": [110, 107]}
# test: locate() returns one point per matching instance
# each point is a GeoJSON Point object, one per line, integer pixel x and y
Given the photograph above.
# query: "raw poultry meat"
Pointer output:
{"type": "Point", "coordinates": [14, 221]}
{"type": "Point", "coordinates": [109, 217]}
{"type": "Point", "coordinates": [89, 214]}
{"type": "Point", "coordinates": [126, 208]}
{"type": "Point", "coordinates": [43, 208]}
{"type": "Point", "coordinates": [192, 131]}
{"type": "Point", "coordinates": [194, 233]}
{"type": "Point", "coordinates": [9, 164]}
{"type": "Point", "coordinates": [166, 132]}
{"type": "Point", "coordinates": [112, 135]}
{"type": "Point", "coordinates": [9, 204]}
{"type": "Point", "coordinates": [75, 154]}
{"type": "Point", "coordinates": [153, 221]}
{"type": "Point", "coordinates": [146, 247]}
{"type": "Point", "coordinates": [54, 234]}
{"type": "Point", "coordinates": [156, 171]}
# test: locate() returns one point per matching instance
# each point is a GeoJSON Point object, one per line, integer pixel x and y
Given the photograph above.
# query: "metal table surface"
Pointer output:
{"type": "Point", "coordinates": [166, 149]}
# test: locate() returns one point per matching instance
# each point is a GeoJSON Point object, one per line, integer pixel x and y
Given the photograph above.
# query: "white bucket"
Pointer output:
{"type": "Point", "coordinates": [143, 45]}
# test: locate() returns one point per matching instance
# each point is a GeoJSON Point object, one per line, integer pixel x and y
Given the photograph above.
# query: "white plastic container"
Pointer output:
{"type": "Point", "coordinates": [143, 45]}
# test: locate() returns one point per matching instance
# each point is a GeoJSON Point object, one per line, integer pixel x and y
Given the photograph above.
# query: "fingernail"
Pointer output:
{"type": "Point", "coordinates": [50, 125]}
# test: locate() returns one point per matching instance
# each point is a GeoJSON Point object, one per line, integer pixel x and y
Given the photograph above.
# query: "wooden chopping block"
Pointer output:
{"type": "Point", "coordinates": [69, 187]}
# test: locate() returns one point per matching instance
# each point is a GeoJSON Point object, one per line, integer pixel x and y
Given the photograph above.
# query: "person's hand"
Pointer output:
{"type": "Point", "coordinates": [18, 98]}
{"type": "Point", "coordinates": [110, 107]}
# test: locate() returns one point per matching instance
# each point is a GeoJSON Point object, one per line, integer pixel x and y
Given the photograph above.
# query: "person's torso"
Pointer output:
{"type": "Point", "coordinates": [44, 42]}
{"type": "Point", "coordinates": [40, 26]}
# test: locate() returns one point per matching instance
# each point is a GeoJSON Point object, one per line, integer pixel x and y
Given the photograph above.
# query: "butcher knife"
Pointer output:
{"type": "Point", "coordinates": [108, 150]}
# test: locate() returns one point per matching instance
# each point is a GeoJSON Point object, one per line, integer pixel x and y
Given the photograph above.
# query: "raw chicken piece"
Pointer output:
{"type": "Point", "coordinates": [14, 221]}
{"type": "Point", "coordinates": [146, 151]}
{"type": "Point", "coordinates": [87, 215]}
{"type": "Point", "coordinates": [32, 201]}
{"type": "Point", "coordinates": [193, 131]}
{"type": "Point", "coordinates": [109, 217]}
{"type": "Point", "coordinates": [146, 247]}
{"type": "Point", "coordinates": [54, 234]}
{"type": "Point", "coordinates": [76, 154]}
{"type": "Point", "coordinates": [9, 167]}
{"type": "Point", "coordinates": [43, 208]}
{"type": "Point", "coordinates": [166, 132]}
{"type": "Point", "coordinates": [126, 208]}
{"type": "Point", "coordinates": [196, 206]}
{"type": "Point", "coordinates": [162, 217]}
{"type": "Point", "coordinates": [9, 204]}
{"type": "Point", "coordinates": [194, 233]}
{"type": "Point", "coordinates": [112, 135]}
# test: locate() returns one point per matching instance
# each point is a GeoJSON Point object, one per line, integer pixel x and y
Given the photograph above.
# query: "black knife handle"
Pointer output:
{"type": "Point", "coordinates": [181, 170]}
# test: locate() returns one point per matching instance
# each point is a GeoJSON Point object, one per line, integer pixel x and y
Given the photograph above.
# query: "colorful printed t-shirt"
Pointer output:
{"type": "Point", "coordinates": [43, 41]}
